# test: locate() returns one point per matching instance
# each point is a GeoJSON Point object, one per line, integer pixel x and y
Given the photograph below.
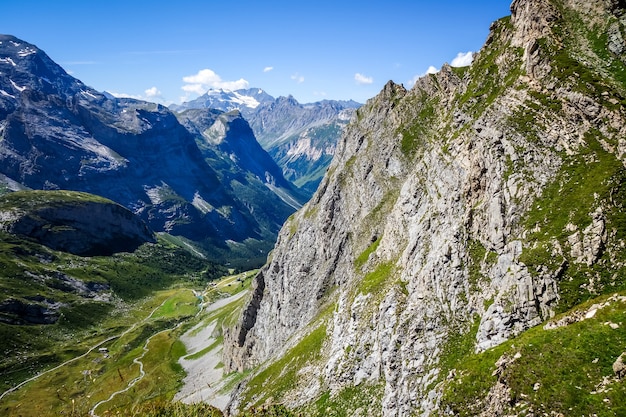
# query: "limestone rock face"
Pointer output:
{"type": "Point", "coordinates": [448, 210]}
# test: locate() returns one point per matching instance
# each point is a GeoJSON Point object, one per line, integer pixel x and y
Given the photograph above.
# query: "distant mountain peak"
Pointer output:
{"type": "Point", "coordinates": [226, 100]}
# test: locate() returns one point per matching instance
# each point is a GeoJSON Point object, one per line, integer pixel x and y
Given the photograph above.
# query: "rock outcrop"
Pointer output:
{"type": "Point", "coordinates": [472, 205]}
{"type": "Point", "coordinates": [73, 222]}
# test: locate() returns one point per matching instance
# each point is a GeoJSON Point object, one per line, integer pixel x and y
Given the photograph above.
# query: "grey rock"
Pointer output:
{"type": "Point", "coordinates": [442, 187]}
{"type": "Point", "coordinates": [619, 367]}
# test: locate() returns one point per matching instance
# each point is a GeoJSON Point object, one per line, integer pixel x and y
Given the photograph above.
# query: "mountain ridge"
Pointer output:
{"type": "Point", "coordinates": [454, 217]}
{"type": "Point", "coordinates": [301, 138]}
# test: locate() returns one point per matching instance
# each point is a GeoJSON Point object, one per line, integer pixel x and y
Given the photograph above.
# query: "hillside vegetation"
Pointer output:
{"type": "Point", "coordinates": [464, 254]}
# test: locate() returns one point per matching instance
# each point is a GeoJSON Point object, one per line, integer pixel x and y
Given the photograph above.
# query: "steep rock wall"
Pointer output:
{"type": "Point", "coordinates": [429, 222]}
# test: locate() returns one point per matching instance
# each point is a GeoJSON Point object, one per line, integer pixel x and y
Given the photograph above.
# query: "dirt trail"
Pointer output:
{"type": "Point", "coordinates": [142, 373]}
{"type": "Point", "coordinates": [91, 349]}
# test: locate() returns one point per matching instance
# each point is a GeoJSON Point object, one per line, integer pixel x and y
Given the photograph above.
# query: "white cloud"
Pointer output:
{"type": "Point", "coordinates": [362, 79]}
{"type": "Point", "coordinates": [206, 79]}
{"type": "Point", "coordinates": [195, 88]}
{"type": "Point", "coordinates": [124, 95]}
{"type": "Point", "coordinates": [153, 92]}
{"type": "Point", "coordinates": [463, 59]}
{"type": "Point", "coordinates": [297, 78]}
{"type": "Point", "coordinates": [268, 69]}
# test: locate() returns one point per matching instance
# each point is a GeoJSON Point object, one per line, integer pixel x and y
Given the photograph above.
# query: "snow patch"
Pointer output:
{"type": "Point", "coordinates": [16, 44]}
{"type": "Point", "coordinates": [4, 93]}
{"type": "Point", "coordinates": [8, 60]}
{"type": "Point", "coordinates": [234, 97]}
{"type": "Point", "coordinates": [17, 87]}
{"type": "Point", "coordinates": [245, 100]}
{"type": "Point", "coordinates": [88, 94]}
{"type": "Point", "coordinates": [26, 51]}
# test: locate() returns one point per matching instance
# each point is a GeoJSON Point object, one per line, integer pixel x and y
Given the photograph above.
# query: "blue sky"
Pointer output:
{"type": "Point", "coordinates": [168, 51]}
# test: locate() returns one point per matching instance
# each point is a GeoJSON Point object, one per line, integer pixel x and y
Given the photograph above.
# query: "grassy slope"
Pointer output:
{"type": "Point", "coordinates": [564, 370]}
{"type": "Point", "coordinates": [148, 331]}
{"type": "Point", "coordinates": [125, 289]}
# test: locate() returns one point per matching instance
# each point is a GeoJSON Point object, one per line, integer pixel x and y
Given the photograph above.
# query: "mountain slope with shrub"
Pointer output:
{"type": "Point", "coordinates": [464, 254]}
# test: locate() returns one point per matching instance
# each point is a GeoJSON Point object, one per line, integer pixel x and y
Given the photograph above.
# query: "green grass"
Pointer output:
{"type": "Point", "coordinates": [31, 273]}
{"type": "Point", "coordinates": [282, 375]}
{"type": "Point", "coordinates": [568, 364]}
{"type": "Point", "coordinates": [415, 134]}
{"type": "Point", "coordinates": [489, 78]}
{"type": "Point", "coordinates": [374, 281]}
{"type": "Point", "coordinates": [154, 408]}
{"type": "Point", "coordinates": [228, 315]}
{"type": "Point", "coordinates": [94, 377]}
{"type": "Point", "coordinates": [582, 58]}
{"type": "Point", "coordinates": [592, 178]}
{"type": "Point", "coordinates": [184, 303]}
{"type": "Point", "coordinates": [366, 398]}
{"type": "Point", "coordinates": [34, 199]}
{"type": "Point", "coordinates": [364, 256]}
{"type": "Point", "coordinates": [457, 355]}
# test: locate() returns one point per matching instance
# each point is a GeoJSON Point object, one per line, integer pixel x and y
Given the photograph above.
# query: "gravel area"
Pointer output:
{"type": "Point", "coordinates": [203, 382]}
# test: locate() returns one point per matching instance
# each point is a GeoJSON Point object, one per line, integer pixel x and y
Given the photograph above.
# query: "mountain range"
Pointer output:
{"type": "Point", "coordinates": [57, 133]}
{"type": "Point", "coordinates": [463, 255]}
{"type": "Point", "coordinates": [301, 138]}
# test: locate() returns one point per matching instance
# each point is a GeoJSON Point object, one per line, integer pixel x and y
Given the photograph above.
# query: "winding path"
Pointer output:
{"type": "Point", "coordinates": [142, 373]}
{"type": "Point", "coordinates": [94, 347]}
{"type": "Point", "coordinates": [137, 360]}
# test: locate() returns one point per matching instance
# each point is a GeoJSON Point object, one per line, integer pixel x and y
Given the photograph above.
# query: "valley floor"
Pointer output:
{"type": "Point", "coordinates": [173, 351]}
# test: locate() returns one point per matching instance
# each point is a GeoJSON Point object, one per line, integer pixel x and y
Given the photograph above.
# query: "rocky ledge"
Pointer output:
{"type": "Point", "coordinates": [74, 222]}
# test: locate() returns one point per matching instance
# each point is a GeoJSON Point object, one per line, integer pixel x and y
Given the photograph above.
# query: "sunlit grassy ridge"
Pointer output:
{"type": "Point", "coordinates": [565, 370]}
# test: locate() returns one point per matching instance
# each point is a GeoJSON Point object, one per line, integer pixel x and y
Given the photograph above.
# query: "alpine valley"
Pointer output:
{"type": "Point", "coordinates": [301, 138]}
{"type": "Point", "coordinates": [463, 255]}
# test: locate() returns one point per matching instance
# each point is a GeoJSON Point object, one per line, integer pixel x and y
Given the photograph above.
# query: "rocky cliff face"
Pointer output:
{"type": "Point", "coordinates": [474, 206]}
